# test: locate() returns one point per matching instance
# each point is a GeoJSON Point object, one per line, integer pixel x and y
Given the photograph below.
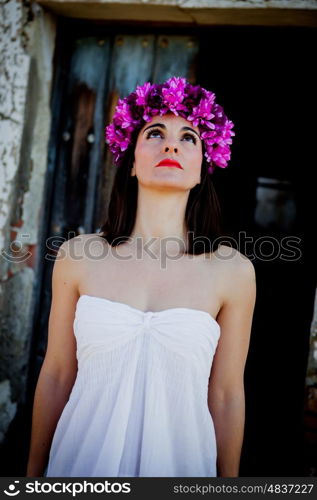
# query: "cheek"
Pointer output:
{"type": "Point", "coordinates": [200, 155]}
{"type": "Point", "coordinates": [195, 155]}
{"type": "Point", "coordinates": [196, 158]}
{"type": "Point", "coordinates": [142, 150]}
{"type": "Point", "coordinates": [139, 153]}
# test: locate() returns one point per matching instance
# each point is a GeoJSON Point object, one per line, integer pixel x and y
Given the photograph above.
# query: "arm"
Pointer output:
{"type": "Point", "coordinates": [59, 368]}
{"type": "Point", "coordinates": [226, 384]}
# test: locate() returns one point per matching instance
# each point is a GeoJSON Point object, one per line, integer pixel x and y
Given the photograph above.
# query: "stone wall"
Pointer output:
{"type": "Point", "coordinates": [27, 37]}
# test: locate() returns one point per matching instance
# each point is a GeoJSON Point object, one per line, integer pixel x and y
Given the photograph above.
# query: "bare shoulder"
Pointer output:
{"type": "Point", "coordinates": [83, 239]}
{"type": "Point", "coordinates": [74, 255]}
{"type": "Point", "coordinates": [237, 271]}
{"type": "Point", "coordinates": [76, 248]}
{"type": "Point", "coordinates": [234, 261]}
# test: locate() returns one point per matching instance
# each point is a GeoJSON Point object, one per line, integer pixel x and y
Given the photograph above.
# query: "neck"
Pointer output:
{"type": "Point", "coordinates": [160, 219]}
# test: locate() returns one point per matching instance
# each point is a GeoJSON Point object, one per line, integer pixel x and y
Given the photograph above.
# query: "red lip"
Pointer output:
{"type": "Point", "coordinates": [169, 163]}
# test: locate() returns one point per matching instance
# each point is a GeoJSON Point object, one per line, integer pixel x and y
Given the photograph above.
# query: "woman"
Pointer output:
{"type": "Point", "coordinates": [150, 323]}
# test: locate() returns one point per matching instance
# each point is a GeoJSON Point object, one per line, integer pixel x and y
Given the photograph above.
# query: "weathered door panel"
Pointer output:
{"type": "Point", "coordinates": [135, 60]}
{"type": "Point", "coordinates": [81, 138]}
{"type": "Point", "coordinates": [175, 56]}
{"type": "Point", "coordinates": [100, 70]}
{"type": "Point", "coordinates": [75, 156]}
{"type": "Point", "coordinates": [131, 64]}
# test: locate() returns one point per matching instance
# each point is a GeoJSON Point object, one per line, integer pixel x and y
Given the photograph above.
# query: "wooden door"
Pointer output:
{"type": "Point", "coordinates": [92, 73]}
{"type": "Point", "coordinates": [274, 140]}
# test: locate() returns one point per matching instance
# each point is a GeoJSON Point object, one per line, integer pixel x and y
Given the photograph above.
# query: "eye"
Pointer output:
{"type": "Point", "coordinates": [154, 133]}
{"type": "Point", "coordinates": [189, 138]}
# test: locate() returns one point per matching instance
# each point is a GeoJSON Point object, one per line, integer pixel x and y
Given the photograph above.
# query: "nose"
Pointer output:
{"type": "Point", "coordinates": [170, 148]}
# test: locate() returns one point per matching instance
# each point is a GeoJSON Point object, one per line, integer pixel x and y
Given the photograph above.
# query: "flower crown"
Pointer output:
{"type": "Point", "coordinates": [176, 95]}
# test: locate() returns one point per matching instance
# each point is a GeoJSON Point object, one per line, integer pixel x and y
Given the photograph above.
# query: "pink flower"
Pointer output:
{"type": "Point", "coordinates": [176, 95]}
{"type": "Point", "coordinates": [116, 138]}
{"type": "Point", "coordinates": [142, 92]}
{"type": "Point", "coordinates": [149, 112]}
{"type": "Point", "coordinates": [173, 94]}
{"type": "Point", "coordinates": [201, 114]}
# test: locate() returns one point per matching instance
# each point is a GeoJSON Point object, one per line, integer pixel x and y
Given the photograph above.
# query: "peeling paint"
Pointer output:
{"type": "Point", "coordinates": [14, 63]}
{"type": "Point", "coordinates": [26, 50]}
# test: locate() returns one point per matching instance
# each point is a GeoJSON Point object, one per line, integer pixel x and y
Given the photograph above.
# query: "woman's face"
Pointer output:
{"type": "Point", "coordinates": [168, 152]}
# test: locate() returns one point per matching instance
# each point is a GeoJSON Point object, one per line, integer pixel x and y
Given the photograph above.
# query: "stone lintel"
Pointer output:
{"type": "Point", "coordinates": [175, 13]}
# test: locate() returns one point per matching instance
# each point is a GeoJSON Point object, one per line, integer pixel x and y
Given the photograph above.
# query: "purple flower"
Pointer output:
{"type": "Point", "coordinates": [142, 92]}
{"type": "Point", "coordinates": [173, 94]}
{"type": "Point", "coordinates": [209, 137]}
{"type": "Point", "coordinates": [220, 156]}
{"type": "Point", "coordinates": [117, 138]}
{"type": "Point", "coordinates": [123, 117]}
{"type": "Point", "coordinates": [202, 114]}
{"type": "Point", "coordinates": [149, 113]}
{"type": "Point", "coordinates": [176, 95]}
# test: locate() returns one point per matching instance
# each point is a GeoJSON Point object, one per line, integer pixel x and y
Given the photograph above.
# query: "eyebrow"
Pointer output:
{"type": "Point", "coordinates": [164, 127]}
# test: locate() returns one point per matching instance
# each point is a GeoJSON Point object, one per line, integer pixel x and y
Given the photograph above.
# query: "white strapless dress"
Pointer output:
{"type": "Point", "coordinates": [139, 405]}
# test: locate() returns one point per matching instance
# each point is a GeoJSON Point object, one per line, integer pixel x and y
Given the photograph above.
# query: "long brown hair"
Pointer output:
{"type": "Point", "coordinates": [202, 215]}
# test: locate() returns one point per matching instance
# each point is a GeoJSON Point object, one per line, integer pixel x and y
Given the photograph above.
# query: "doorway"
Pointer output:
{"type": "Point", "coordinates": [269, 97]}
